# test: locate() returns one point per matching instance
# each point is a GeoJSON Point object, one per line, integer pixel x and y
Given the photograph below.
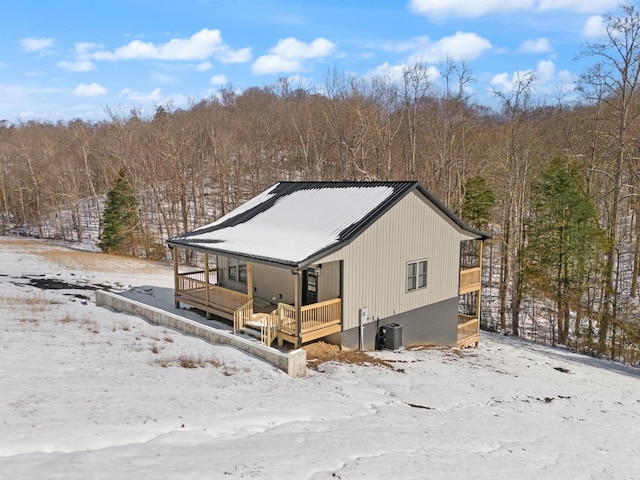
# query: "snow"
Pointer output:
{"type": "Point", "coordinates": [84, 395]}
{"type": "Point", "coordinates": [298, 225]}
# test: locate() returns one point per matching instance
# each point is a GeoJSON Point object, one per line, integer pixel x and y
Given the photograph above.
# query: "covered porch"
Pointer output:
{"type": "Point", "coordinates": [302, 320]}
{"type": "Point", "coordinates": [470, 287]}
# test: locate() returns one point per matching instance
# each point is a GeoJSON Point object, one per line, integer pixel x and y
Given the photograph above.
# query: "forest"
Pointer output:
{"type": "Point", "coordinates": [553, 178]}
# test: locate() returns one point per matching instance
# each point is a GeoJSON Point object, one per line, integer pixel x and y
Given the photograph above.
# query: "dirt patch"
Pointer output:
{"type": "Point", "coordinates": [321, 352]}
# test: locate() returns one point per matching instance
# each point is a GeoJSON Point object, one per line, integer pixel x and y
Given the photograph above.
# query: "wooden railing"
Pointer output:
{"type": "Point", "coordinates": [228, 298]}
{"type": "Point", "coordinates": [287, 318]}
{"type": "Point", "coordinates": [191, 281]}
{"type": "Point", "coordinates": [468, 330]}
{"type": "Point", "coordinates": [470, 279]}
{"type": "Point", "coordinates": [192, 285]}
{"type": "Point", "coordinates": [318, 315]}
{"type": "Point", "coordinates": [242, 315]}
{"type": "Point", "coordinates": [199, 276]}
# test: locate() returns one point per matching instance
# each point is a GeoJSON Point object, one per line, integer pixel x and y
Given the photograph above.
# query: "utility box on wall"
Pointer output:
{"type": "Point", "coordinates": [391, 336]}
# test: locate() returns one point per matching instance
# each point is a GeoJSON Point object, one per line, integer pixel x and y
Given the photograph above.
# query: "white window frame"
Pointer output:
{"type": "Point", "coordinates": [417, 278]}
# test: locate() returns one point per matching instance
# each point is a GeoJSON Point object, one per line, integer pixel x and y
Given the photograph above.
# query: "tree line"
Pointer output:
{"type": "Point", "coordinates": [553, 179]}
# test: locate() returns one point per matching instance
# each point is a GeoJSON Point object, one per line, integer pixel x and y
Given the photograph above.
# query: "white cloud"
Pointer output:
{"type": "Point", "coordinates": [594, 27]}
{"type": "Point", "coordinates": [395, 73]}
{"type": "Point", "coordinates": [460, 46]}
{"type": "Point", "coordinates": [539, 45]}
{"type": "Point", "coordinates": [204, 66]}
{"type": "Point", "coordinates": [40, 45]}
{"type": "Point", "coordinates": [91, 90]}
{"type": "Point", "coordinates": [83, 62]}
{"type": "Point", "coordinates": [289, 55]}
{"type": "Point", "coordinates": [478, 8]}
{"type": "Point", "coordinates": [200, 46]}
{"type": "Point", "coordinates": [545, 71]}
{"type": "Point", "coordinates": [218, 80]}
{"type": "Point", "coordinates": [475, 8]}
{"type": "Point", "coordinates": [77, 65]}
{"type": "Point", "coordinates": [547, 80]}
{"type": "Point", "coordinates": [578, 6]}
{"type": "Point", "coordinates": [153, 96]}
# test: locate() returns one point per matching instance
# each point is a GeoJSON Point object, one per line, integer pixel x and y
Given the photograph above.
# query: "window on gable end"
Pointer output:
{"type": "Point", "coordinates": [416, 275]}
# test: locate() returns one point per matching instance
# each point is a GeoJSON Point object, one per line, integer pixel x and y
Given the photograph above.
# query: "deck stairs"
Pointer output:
{"type": "Point", "coordinates": [253, 327]}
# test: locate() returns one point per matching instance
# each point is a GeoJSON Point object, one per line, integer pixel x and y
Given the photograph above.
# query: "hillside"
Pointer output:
{"type": "Point", "coordinates": [88, 393]}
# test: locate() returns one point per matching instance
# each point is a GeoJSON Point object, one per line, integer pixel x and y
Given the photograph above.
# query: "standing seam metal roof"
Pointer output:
{"type": "Point", "coordinates": [291, 223]}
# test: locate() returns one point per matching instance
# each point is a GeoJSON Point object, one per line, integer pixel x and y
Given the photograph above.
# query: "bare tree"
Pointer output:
{"type": "Point", "coordinates": [614, 81]}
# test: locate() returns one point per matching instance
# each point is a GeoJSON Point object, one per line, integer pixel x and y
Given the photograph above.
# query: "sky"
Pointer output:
{"type": "Point", "coordinates": [77, 59]}
{"type": "Point", "coordinates": [90, 393]}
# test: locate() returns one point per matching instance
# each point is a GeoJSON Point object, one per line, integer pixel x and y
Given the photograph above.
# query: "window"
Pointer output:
{"type": "Point", "coordinates": [242, 272]}
{"type": "Point", "coordinates": [416, 275]}
{"type": "Point", "coordinates": [237, 270]}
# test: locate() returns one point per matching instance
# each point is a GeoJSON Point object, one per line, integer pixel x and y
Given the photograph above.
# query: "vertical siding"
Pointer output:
{"type": "Point", "coordinates": [375, 263]}
{"type": "Point", "coordinates": [271, 282]}
{"type": "Point", "coordinates": [329, 281]}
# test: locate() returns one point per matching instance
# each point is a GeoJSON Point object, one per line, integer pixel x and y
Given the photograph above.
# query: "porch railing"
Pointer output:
{"type": "Point", "coordinates": [316, 318]}
{"type": "Point", "coordinates": [468, 330]}
{"type": "Point", "coordinates": [469, 279]}
{"type": "Point", "coordinates": [193, 286]}
{"type": "Point", "coordinates": [320, 315]}
{"type": "Point", "coordinates": [242, 316]}
{"type": "Point", "coordinates": [198, 277]}
{"type": "Point", "coordinates": [287, 318]}
{"type": "Point", "coordinates": [312, 317]}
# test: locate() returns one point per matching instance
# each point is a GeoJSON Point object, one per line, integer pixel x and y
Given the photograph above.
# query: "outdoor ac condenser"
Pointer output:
{"type": "Point", "coordinates": [391, 336]}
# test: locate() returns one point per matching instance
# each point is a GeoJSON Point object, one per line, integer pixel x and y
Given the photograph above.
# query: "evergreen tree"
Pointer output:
{"type": "Point", "coordinates": [565, 243]}
{"type": "Point", "coordinates": [478, 202]}
{"type": "Point", "coordinates": [120, 218]}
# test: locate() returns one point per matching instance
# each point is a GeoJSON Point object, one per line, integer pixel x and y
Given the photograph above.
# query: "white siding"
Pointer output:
{"type": "Point", "coordinates": [329, 281]}
{"type": "Point", "coordinates": [375, 263]}
{"type": "Point", "coordinates": [278, 284]}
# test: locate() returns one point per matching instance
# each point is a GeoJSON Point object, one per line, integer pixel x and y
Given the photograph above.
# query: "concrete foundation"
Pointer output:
{"type": "Point", "coordinates": [293, 363]}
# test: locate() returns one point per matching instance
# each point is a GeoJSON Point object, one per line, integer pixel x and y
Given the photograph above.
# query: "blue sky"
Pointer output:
{"type": "Point", "coordinates": [68, 59]}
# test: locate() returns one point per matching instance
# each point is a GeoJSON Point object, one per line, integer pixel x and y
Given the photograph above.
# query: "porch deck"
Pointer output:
{"type": "Point", "coordinates": [212, 299]}
{"type": "Point", "coordinates": [316, 320]}
{"type": "Point", "coordinates": [468, 331]}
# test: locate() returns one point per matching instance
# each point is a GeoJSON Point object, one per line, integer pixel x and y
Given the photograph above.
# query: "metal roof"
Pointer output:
{"type": "Point", "coordinates": [292, 223]}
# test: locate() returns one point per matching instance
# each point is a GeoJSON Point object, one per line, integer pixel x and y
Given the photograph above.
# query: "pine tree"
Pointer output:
{"type": "Point", "coordinates": [565, 243]}
{"type": "Point", "coordinates": [479, 200]}
{"type": "Point", "coordinates": [120, 218]}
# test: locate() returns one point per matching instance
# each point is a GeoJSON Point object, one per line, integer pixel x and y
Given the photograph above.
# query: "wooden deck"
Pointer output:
{"type": "Point", "coordinates": [470, 279]}
{"type": "Point", "coordinates": [211, 299]}
{"type": "Point", "coordinates": [316, 320]}
{"type": "Point", "coordinates": [468, 331]}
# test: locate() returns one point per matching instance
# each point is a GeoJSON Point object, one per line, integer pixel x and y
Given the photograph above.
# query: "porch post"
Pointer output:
{"type": "Point", "coordinates": [250, 280]}
{"type": "Point", "coordinates": [250, 285]}
{"type": "Point", "coordinates": [206, 285]}
{"type": "Point", "coordinates": [298, 304]}
{"type": "Point", "coordinates": [174, 252]}
{"type": "Point", "coordinates": [479, 299]}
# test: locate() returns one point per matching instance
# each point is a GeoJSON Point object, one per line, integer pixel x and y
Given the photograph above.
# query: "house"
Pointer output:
{"type": "Point", "coordinates": [338, 260]}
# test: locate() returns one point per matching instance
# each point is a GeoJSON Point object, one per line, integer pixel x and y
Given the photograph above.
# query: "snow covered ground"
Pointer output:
{"type": "Point", "coordinates": [88, 393]}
